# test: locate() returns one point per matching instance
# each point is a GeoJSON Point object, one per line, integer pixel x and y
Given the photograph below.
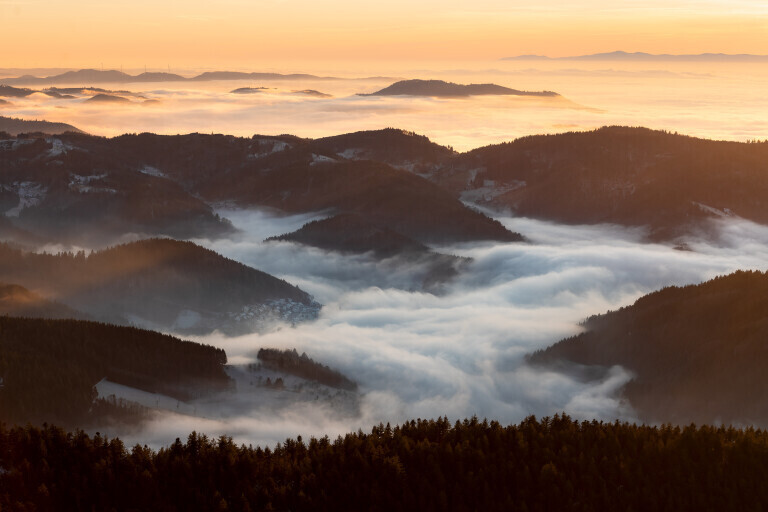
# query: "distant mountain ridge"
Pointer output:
{"type": "Point", "coordinates": [648, 57]}
{"type": "Point", "coordinates": [441, 88]}
{"type": "Point", "coordinates": [93, 76]}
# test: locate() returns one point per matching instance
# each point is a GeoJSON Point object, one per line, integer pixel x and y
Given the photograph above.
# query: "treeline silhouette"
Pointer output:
{"type": "Point", "coordinates": [697, 353]}
{"type": "Point", "coordinates": [289, 361]}
{"type": "Point", "coordinates": [48, 368]}
{"type": "Point", "coordinates": [538, 465]}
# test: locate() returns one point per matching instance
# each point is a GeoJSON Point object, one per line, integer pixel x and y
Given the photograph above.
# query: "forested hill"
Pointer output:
{"type": "Point", "coordinates": [352, 233]}
{"type": "Point", "coordinates": [621, 175]}
{"type": "Point", "coordinates": [673, 184]}
{"type": "Point", "coordinates": [159, 281]}
{"type": "Point", "coordinates": [290, 362]}
{"type": "Point", "coordinates": [396, 147]}
{"type": "Point", "coordinates": [48, 368]}
{"type": "Point", "coordinates": [441, 88]}
{"type": "Point", "coordinates": [55, 188]}
{"type": "Point", "coordinates": [698, 353]}
{"type": "Point", "coordinates": [552, 464]}
{"type": "Point", "coordinates": [166, 184]}
{"type": "Point", "coordinates": [297, 175]}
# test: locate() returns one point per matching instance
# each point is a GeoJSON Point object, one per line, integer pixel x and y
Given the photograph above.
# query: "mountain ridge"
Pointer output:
{"type": "Point", "coordinates": [648, 57]}
{"type": "Point", "coordinates": [441, 88]}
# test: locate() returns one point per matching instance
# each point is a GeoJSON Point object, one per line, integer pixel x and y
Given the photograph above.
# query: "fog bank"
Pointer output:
{"type": "Point", "coordinates": [461, 353]}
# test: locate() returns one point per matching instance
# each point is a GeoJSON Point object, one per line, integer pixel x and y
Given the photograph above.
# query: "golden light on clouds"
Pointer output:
{"type": "Point", "coordinates": [245, 33]}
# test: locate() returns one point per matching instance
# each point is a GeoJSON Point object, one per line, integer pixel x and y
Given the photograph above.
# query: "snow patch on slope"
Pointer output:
{"type": "Point", "coordinates": [30, 194]}
{"type": "Point", "coordinates": [152, 171]}
{"type": "Point", "coordinates": [266, 147]}
{"type": "Point", "coordinates": [351, 153]}
{"type": "Point", "coordinates": [725, 212]}
{"type": "Point", "coordinates": [321, 159]}
{"type": "Point", "coordinates": [82, 184]}
{"type": "Point", "coordinates": [58, 147]}
{"type": "Point", "coordinates": [490, 190]}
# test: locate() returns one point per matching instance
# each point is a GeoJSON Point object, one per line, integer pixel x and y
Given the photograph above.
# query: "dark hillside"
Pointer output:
{"type": "Point", "coordinates": [629, 176]}
{"type": "Point", "coordinates": [49, 367]}
{"type": "Point", "coordinates": [698, 353]}
{"type": "Point", "coordinates": [160, 281]}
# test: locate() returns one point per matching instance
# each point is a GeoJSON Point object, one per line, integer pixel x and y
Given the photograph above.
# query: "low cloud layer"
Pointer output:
{"type": "Point", "coordinates": [676, 97]}
{"type": "Point", "coordinates": [461, 353]}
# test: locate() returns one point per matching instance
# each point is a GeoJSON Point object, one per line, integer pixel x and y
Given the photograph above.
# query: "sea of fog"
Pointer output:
{"type": "Point", "coordinates": [713, 100]}
{"type": "Point", "coordinates": [457, 354]}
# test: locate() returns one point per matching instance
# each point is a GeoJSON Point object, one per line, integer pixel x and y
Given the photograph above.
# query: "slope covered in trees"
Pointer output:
{"type": "Point", "coordinates": [698, 353]}
{"type": "Point", "coordinates": [161, 184]}
{"type": "Point", "coordinates": [352, 233]}
{"type": "Point", "coordinates": [157, 280]}
{"type": "Point", "coordinates": [165, 184]}
{"type": "Point", "coordinates": [396, 147]}
{"type": "Point", "coordinates": [383, 195]}
{"type": "Point", "coordinates": [538, 465]}
{"type": "Point", "coordinates": [621, 175]}
{"type": "Point", "coordinates": [289, 361]}
{"type": "Point", "coordinates": [67, 193]}
{"type": "Point", "coordinates": [49, 368]}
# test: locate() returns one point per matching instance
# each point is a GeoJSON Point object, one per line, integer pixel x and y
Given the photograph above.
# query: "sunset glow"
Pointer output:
{"type": "Point", "coordinates": [279, 33]}
{"type": "Point", "coordinates": [530, 238]}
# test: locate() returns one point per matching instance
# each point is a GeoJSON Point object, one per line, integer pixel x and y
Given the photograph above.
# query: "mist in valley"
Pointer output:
{"type": "Point", "coordinates": [458, 353]}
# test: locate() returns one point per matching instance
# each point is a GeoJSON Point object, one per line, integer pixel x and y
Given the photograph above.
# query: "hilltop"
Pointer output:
{"type": "Point", "coordinates": [440, 88]}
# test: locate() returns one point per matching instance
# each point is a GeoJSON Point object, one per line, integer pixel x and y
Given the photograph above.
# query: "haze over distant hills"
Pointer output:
{"type": "Point", "coordinates": [441, 88]}
{"type": "Point", "coordinates": [93, 76]}
{"type": "Point", "coordinates": [647, 57]}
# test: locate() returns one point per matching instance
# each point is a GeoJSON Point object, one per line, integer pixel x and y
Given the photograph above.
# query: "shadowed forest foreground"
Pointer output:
{"type": "Point", "coordinates": [548, 464]}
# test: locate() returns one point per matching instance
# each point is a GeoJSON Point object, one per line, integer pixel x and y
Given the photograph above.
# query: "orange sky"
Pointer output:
{"type": "Point", "coordinates": [277, 33]}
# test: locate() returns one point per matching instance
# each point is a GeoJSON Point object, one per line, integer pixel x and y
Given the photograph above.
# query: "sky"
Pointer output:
{"type": "Point", "coordinates": [248, 34]}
